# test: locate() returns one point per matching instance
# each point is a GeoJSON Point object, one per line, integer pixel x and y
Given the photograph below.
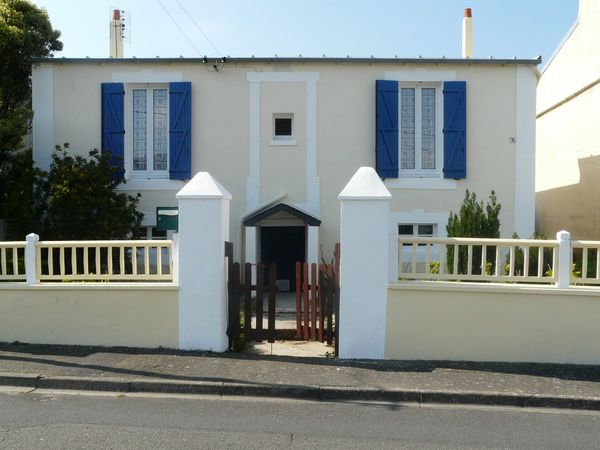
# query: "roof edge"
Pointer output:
{"type": "Point", "coordinates": [312, 60]}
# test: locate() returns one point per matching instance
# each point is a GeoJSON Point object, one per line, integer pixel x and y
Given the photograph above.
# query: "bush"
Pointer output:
{"type": "Point", "coordinates": [474, 219]}
{"type": "Point", "coordinates": [75, 200]}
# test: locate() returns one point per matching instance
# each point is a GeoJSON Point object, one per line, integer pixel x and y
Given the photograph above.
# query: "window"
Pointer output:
{"type": "Point", "coordinates": [149, 138]}
{"type": "Point", "coordinates": [417, 230]}
{"type": "Point", "coordinates": [283, 130]}
{"type": "Point", "coordinates": [420, 129]}
{"type": "Point", "coordinates": [150, 233]}
{"type": "Point", "coordinates": [147, 128]}
{"type": "Point", "coordinates": [421, 254]}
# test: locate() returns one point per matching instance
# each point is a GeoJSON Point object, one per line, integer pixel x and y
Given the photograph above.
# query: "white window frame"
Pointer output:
{"type": "Point", "coordinates": [415, 227]}
{"type": "Point", "coordinates": [417, 172]}
{"type": "Point", "coordinates": [149, 173]}
{"type": "Point", "coordinates": [286, 139]}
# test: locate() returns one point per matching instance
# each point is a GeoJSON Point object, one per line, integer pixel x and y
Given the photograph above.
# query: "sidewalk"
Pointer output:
{"type": "Point", "coordinates": [143, 370]}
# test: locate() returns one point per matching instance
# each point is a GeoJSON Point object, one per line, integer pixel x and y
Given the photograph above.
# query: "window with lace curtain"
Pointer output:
{"type": "Point", "coordinates": [420, 129]}
{"type": "Point", "coordinates": [150, 131]}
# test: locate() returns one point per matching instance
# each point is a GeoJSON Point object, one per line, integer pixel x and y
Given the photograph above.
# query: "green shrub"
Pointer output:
{"type": "Point", "coordinates": [474, 219]}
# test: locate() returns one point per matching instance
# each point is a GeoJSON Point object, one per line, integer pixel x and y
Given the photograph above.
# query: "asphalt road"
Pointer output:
{"type": "Point", "coordinates": [55, 420]}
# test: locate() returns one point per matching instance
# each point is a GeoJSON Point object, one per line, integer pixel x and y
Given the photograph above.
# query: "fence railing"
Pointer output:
{"type": "Point", "coordinates": [585, 262]}
{"type": "Point", "coordinates": [125, 260]}
{"type": "Point", "coordinates": [475, 259]}
{"type": "Point", "coordinates": [12, 261]}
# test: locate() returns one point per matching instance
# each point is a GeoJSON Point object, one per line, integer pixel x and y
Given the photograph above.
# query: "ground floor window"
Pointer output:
{"type": "Point", "coordinates": [417, 230]}
{"type": "Point", "coordinates": [150, 233]}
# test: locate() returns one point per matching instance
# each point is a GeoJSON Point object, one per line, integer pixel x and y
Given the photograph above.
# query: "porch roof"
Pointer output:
{"type": "Point", "coordinates": [271, 210]}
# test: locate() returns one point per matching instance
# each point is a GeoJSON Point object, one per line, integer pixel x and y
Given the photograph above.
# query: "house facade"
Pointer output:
{"type": "Point", "coordinates": [568, 136]}
{"type": "Point", "coordinates": [284, 135]}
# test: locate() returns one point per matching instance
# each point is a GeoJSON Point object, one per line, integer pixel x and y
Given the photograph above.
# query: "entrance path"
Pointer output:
{"type": "Point", "coordinates": [285, 319]}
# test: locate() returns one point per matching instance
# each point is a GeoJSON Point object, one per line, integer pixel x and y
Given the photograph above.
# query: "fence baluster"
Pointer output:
{"type": "Point", "coordinates": [122, 260]}
{"type": "Point", "coordinates": [306, 304]}
{"type": "Point", "coordinates": [134, 260]}
{"type": "Point", "coordinates": [321, 297]}
{"type": "Point", "coordinates": [313, 294]}
{"type": "Point", "coordinates": [298, 299]}
{"type": "Point", "coordinates": [146, 259]}
{"type": "Point", "coordinates": [97, 260]}
{"type": "Point", "coordinates": [86, 264]}
{"type": "Point", "coordinates": [584, 262]}
{"type": "Point", "coordinates": [540, 261]}
{"type": "Point", "coordinates": [248, 301]}
{"type": "Point", "coordinates": [73, 260]}
{"type": "Point", "coordinates": [526, 261]}
{"type": "Point", "coordinates": [61, 257]}
{"type": "Point", "coordinates": [484, 260]}
{"type": "Point", "coordinates": [15, 261]}
{"type": "Point", "coordinates": [159, 250]}
{"type": "Point", "coordinates": [260, 288]}
{"type": "Point", "coordinates": [469, 259]}
{"type": "Point", "coordinates": [3, 260]}
{"type": "Point", "coordinates": [272, 291]}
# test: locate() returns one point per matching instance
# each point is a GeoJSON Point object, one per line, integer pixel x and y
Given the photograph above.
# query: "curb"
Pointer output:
{"type": "Point", "coordinates": [299, 392]}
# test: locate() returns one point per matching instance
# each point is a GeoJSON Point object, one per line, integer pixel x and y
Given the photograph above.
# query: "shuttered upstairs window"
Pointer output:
{"type": "Point", "coordinates": [408, 124]}
{"type": "Point", "coordinates": [155, 137]}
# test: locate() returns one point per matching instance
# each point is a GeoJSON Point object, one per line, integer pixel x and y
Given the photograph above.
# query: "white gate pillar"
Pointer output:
{"type": "Point", "coordinates": [364, 239]}
{"type": "Point", "coordinates": [203, 230]}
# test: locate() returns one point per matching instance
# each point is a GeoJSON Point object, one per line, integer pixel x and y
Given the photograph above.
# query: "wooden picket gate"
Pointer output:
{"type": "Point", "coordinates": [317, 303]}
{"type": "Point", "coordinates": [241, 293]}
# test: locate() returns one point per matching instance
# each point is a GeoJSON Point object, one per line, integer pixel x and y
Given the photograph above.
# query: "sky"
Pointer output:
{"type": "Point", "coordinates": [313, 28]}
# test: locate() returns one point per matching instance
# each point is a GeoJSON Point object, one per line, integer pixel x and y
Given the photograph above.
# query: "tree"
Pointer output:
{"type": "Point", "coordinates": [474, 220]}
{"type": "Point", "coordinates": [77, 199]}
{"type": "Point", "coordinates": [25, 34]}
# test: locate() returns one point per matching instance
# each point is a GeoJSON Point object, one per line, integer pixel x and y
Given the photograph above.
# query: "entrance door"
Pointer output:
{"type": "Point", "coordinates": [283, 246]}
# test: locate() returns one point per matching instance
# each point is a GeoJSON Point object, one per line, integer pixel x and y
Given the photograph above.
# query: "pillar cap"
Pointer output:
{"type": "Point", "coordinates": [203, 185]}
{"type": "Point", "coordinates": [365, 184]}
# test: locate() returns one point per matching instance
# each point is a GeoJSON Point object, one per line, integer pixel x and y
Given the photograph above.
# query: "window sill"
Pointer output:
{"type": "Point", "coordinates": [420, 183]}
{"type": "Point", "coordinates": [283, 142]}
{"type": "Point", "coordinates": [151, 184]}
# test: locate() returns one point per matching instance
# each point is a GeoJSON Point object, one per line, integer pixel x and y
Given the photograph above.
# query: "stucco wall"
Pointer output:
{"type": "Point", "coordinates": [441, 321]}
{"type": "Point", "coordinates": [345, 133]}
{"type": "Point", "coordinates": [568, 136]}
{"type": "Point", "coordinates": [91, 314]}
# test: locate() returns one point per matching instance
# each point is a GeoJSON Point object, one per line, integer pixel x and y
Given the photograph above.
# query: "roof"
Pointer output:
{"type": "Point", "coordinates": [270, 210]}
{"type": "Point", "coordinates": [313, 60]}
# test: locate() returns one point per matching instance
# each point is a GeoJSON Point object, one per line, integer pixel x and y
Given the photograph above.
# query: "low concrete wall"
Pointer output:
{"type": "Point", "coordinates": [484, 322]}
{"type": "Point", "coordinates": [136, 315]}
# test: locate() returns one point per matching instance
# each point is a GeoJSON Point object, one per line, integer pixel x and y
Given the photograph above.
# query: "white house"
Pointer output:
{"type": "Point", "coordinates": [284, 135]}
{"type": "Point", "coordinates": [568, 136]}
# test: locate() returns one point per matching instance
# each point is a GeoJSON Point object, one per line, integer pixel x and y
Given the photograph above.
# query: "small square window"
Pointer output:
{"type": "Point", "coordinates": [283, 126]}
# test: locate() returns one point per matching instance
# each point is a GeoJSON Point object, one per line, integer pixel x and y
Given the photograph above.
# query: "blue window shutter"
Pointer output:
{"type": "Point", "coordinates": [180, 130]}
{"type": "Point", "coordinates": [386, 145]}
{"type": "Point", "coordinates": [113, 124]}
{"type": "Point", "coordinates": [455, 129]}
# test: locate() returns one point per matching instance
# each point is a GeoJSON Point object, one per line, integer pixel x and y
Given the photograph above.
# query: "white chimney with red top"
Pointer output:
{"type": "Point", "coordinates": [467, 34]}
{"type": "Point", "coordinates": [116, 35]}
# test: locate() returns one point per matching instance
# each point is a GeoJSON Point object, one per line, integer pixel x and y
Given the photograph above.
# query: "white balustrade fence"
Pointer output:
{"type": "Point", "coordinates": [478, 259]}
{"type": "Point", "coordinates": [585, 262]}
{"type": "Point", "coordinates": [133, 260]}
{"type": "Point", "coordinates": [12, 261]}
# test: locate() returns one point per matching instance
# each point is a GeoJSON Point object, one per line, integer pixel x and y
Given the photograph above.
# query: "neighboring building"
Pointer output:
{"type": "Point", "coordinates": [568, 132]}
{"type": "Point", "coordinates": [284, 135]}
